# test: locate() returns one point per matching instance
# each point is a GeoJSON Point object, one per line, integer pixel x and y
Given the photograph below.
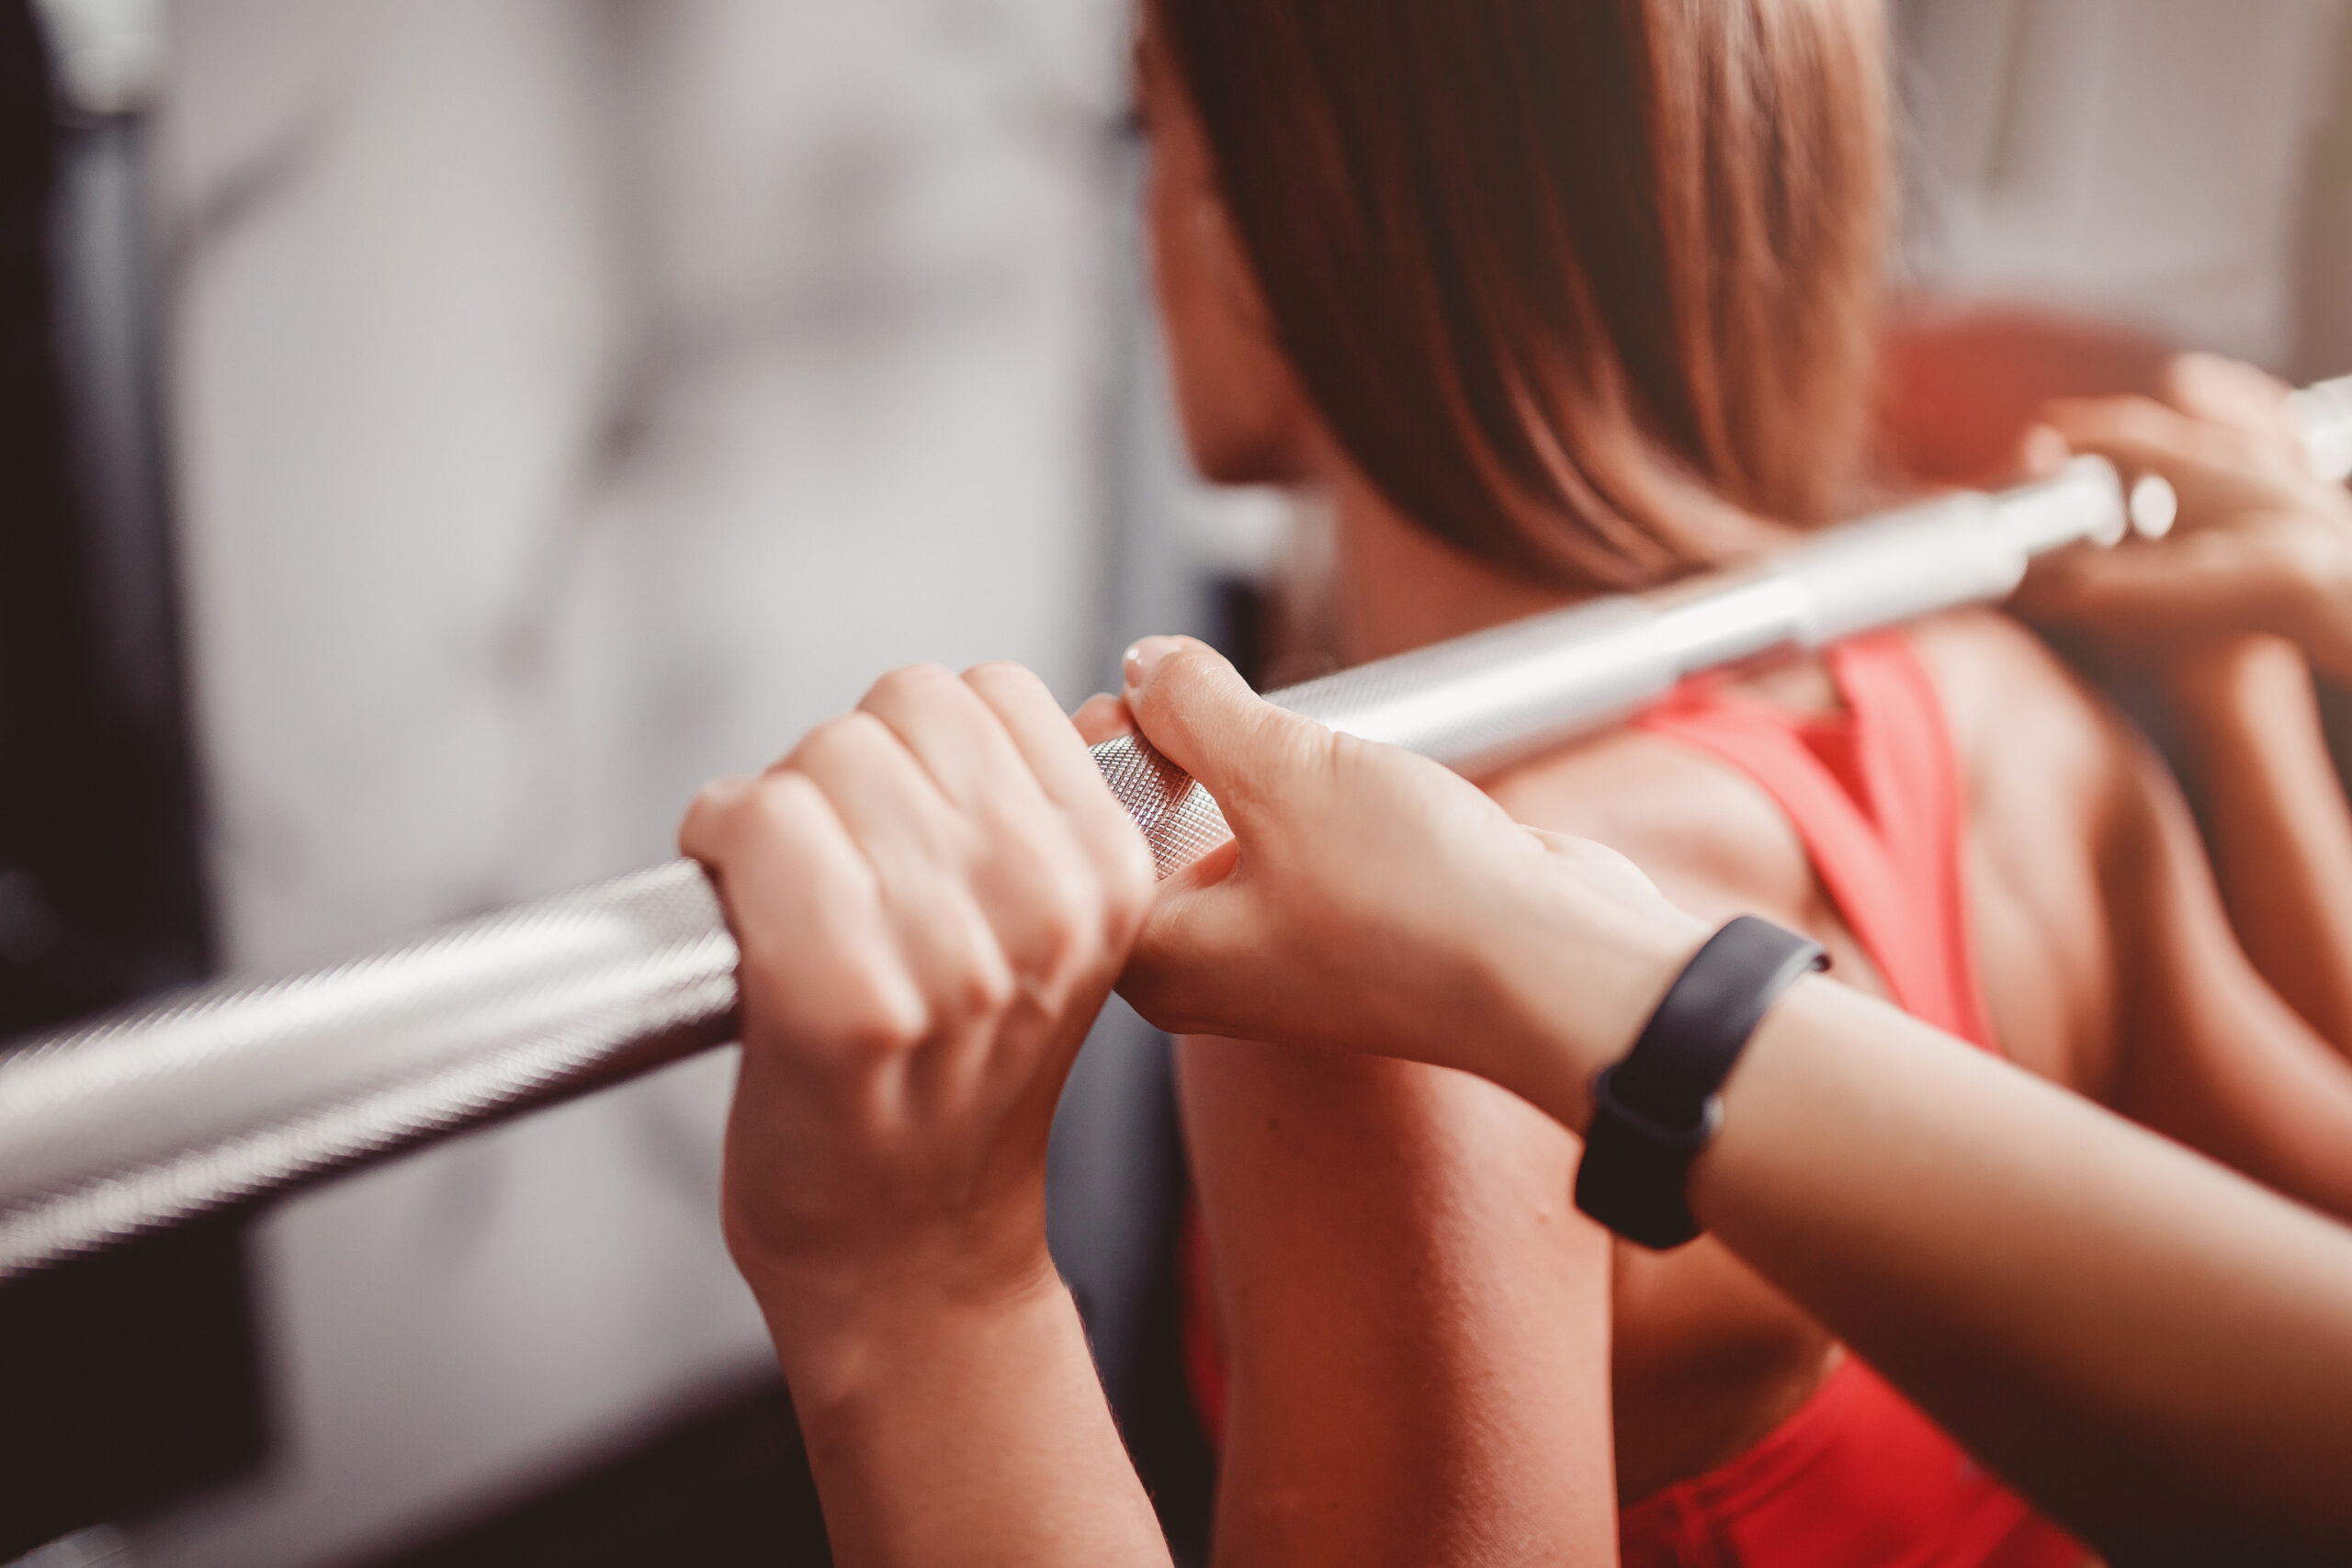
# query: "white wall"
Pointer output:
{"type": "Point", "coordinates": [2142, 159]}
{"type": "Point", "coordinates": [576, 397]}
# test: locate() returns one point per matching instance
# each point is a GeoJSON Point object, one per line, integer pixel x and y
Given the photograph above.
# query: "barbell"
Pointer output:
{"type": "Point", "coordinates": [230, 1092]}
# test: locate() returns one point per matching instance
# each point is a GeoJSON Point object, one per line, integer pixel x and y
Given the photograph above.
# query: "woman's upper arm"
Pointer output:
{"type": "Point", "coordinates": [1417, 1316]}
{"type": "Point", "coordinates": [2211, 1054]}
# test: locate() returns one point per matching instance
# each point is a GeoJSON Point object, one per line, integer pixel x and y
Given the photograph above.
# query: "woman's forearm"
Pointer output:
{"type": "Point", "coordinates": [968, 1434]}
{"type": "Point", "coordinates": [2156, 1351]}
{"type": "Point", "coordinates": [931, 896]}
{"type": "Point", "coordinates": [2281, 832]}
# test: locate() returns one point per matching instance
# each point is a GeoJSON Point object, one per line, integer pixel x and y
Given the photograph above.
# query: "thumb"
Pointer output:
{"type": "Point", "coordinates": [1196, 710]}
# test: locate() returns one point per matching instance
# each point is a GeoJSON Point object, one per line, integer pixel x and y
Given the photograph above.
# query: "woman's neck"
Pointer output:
{"type": "Point", "coordinates": [1396, 586]}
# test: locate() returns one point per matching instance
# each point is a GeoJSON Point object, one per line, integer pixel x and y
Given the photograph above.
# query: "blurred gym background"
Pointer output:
{"type": "Point", "coordinates": [435, 434]}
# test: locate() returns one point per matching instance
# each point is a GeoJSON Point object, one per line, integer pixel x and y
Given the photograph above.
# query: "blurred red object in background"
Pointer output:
{"type": "Point", "coordinates": [1959, 385]}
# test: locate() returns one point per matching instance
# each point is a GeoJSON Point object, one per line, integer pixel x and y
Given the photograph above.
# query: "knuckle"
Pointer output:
{"type": "Point", "coordinates": [1130, 878]}
{"type": "Point", "coordinates": [830, 733]}
{"type": "Point", "coordinates": [1002, 674]}
{"type": "Point", "coordinates": [1178, 669]}
{"type": "Point", "coordinates": [1191, 663]}
{"type": "Point", "coordinates": [834, 737]}
{"type": "Point", "coordinates": [911, 686]}
{"type": "Point", "coordinates": [2128, 419]}
{"type": "Point", "coordinates": [1062, 896]}
{"type": "Point", "coordinates": [883, 1017]}
{"type": "Point", "coordinates": [1105, 912]}
{"type": "Point", "coordinates": [714, 796]}
{"type": "Point", "coordinates": [1071, 919]}
{"type": "Point", "coordinates": [1090, 895]}
{"type": "Point", "coordinates": [984, 988]}
{"type": "Point", "coordinates": [713, 810]}
{"type": "Point", "coordinates": [2186, 375]}
{"type": "Point", "coordinates": [698, 830]}
{"type": "Point", "coordinates": [865, 731]}
{"type": "Point", "coordinates": [852, 747]}
{"type": "Point", "coordinates": [780, 798]}
{"type": "Point", "coordinates": [1135, 888]}
{"type": "Point", "coordinates": [968, 976]}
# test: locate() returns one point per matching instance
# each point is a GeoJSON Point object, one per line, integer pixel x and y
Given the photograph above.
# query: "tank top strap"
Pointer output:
{"type": "Point", "coordinates": [1875, 794]}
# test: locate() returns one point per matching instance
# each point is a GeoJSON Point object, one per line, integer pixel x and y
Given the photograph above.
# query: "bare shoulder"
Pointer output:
{"type": "Point", "coordinates": [2050, 771]}
{"type": "Point", "coordinates": [1711, 839]}
{"type": "Point", "coordinates": [2017, 713]}
{"type": "Point", "coordinates": [2049, 767]}
{"type": "Point", "coordinates": [2044, 763]}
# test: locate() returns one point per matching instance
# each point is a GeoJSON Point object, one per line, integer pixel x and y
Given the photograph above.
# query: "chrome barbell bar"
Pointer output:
{"type": "Point", "coordinates": [230, 1092]}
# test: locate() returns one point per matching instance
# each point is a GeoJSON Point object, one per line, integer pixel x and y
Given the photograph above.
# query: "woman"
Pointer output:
{"type": "Point", "coordinates": [1552, 298]}
{"type": "Point", "coordinates": [934, 894]}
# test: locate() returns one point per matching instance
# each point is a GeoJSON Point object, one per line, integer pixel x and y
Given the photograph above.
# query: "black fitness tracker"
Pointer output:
{"type": "Point", "coordinates": [1656, 1107]}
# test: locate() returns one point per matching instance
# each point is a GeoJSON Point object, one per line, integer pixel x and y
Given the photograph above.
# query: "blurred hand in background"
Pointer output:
{"type": "Point", "coordinates": [2263, 543]}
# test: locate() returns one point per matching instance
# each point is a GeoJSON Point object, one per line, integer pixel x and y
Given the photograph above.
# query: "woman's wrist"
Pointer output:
{"type": "Point", "coordinates": [946, 1428]}
{"type": "Point", "coordinates": [1579, 979]}
{"type": "Point", "coordinates": [2225, 688]}
{"type": "Point", "coordinates": [842, 1342]}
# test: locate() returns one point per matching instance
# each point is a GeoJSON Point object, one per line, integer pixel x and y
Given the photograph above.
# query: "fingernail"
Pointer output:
{"type": "Point", "coordinates": [1142, 656]}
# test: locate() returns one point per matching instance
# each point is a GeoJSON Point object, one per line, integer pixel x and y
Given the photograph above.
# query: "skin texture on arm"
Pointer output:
{"type": "Point", "coordinates": [975, 1436]}
{"type": "Point", "coordinates": [1420, 1325]}
{"type": "Point", "coordinates": [2158, 1352]}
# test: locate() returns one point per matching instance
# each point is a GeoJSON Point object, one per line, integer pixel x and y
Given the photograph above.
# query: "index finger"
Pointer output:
{"type": "Point", "coordinates": [2135, 431]}
{"type": "Point", "coordinates": [1051, 745]}
{"type": "Point", "coordinates": [1101, 718]}
{"type": "Point", "coordinates": [2206, 385]}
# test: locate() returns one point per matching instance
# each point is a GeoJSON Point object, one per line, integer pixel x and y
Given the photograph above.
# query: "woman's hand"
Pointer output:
{"type": "Point", "coordinates": [2263, 544]}
{"type": "Point", "coordinates": [932, 895]}
{"type": "Point", "coordinates": [1373, 902]}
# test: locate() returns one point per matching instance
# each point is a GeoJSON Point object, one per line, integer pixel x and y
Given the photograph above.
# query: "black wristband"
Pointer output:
{"type": "Point", "coordinates": [1656, 1107]}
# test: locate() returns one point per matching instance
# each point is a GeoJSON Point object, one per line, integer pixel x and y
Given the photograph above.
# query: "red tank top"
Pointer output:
{"type": "Point", "coordinates": [1856, 1478]}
